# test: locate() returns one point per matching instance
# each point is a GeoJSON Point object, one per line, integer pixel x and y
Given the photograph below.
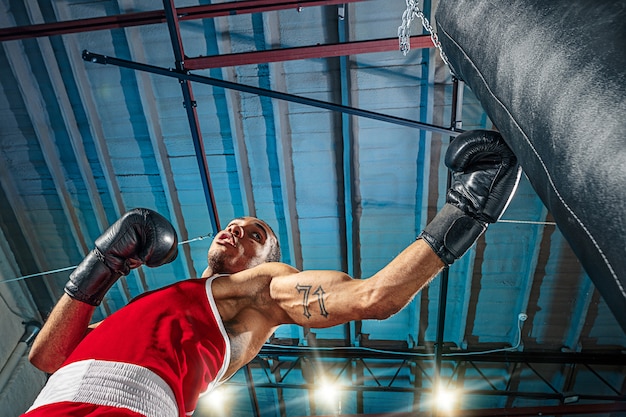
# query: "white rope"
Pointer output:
{"type": "Point", "coordinates": [198, 238]}
{"type": "Point", "coordinates": [416, 354]}
{"type": "Point", "coordinates": [528, 222]}
{"type": "Point", "coordinates": [54, 271]}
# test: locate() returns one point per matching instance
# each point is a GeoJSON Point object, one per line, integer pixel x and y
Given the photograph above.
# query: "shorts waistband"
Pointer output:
{"type": "Point", "coordinates": [114, 384]}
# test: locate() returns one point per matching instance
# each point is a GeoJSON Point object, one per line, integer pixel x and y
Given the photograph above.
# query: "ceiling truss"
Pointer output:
{"type": "Point", "coordinates": [517, 377]}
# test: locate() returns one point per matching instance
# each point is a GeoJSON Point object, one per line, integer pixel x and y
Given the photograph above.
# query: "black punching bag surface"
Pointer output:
{"type": "Point", "coordinates": [551, 75]}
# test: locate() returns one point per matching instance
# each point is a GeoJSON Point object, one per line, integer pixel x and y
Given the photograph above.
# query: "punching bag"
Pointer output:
{"type": "Point", "coordinates": [551, 75]}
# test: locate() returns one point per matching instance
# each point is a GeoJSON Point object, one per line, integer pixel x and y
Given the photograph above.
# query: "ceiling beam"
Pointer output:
{"type": "Point", "coordinates": [305, 52]}
{"type": "Point", "coordinates": [284, 147]}
{"type": "Point", "coordinates": [158, 16]}
{"type": "Point", "coordinates": [79, 73]}
{"type": "Point", "coordinates": [151, 115]}
{"type": "Point", "coordinates": [54, 72]}
{"type": "Point", "coordinates": [570, 409]}
{"type": "Point", "coordinates": [378, 381]}
{"type": "Point", "coordinates": [51, 148]}
{"type": "Point", "coordinates": [35, 105]}
{"type": "Point", "coordinates": [192, 114]}
{"type": "Point", "coordinates": [25, 242]}
{"type": "Point", "coordinates": [233, 101]}
{"type": "Point", "coordinates": [186, 76]}
{"type": "Point", "coordinates": [91, 110]}
{"type": "Point", "coordinates": [39, 117]}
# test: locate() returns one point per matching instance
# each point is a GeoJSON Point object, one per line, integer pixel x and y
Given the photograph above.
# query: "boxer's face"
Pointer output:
{"type": "Point", "coordinates": [246, 242]}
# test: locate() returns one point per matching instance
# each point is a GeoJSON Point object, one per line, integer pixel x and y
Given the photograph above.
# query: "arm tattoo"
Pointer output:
{"type": "Point", "coordinates": [320, 299]}
{"type": "Point", "coordinates": [305, 301]}
{"type": "Point", "coordinates": [306, 290]}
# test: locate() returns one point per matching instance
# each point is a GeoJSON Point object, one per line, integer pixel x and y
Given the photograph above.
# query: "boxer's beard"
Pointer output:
{"type": "Point", "coordinates": [216, 262]}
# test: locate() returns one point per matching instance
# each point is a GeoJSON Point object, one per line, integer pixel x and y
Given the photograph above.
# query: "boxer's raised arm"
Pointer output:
{"type": "Point", "coordinates": [140, 236]}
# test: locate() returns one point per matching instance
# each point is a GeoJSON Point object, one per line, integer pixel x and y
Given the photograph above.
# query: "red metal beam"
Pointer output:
{"type": "Point", "coordinates": [158, 16]}
{"type": "Point", "coordinates": [304, 52]}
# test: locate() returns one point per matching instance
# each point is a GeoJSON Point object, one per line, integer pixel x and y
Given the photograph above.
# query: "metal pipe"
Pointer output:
{"type": "Point", "coordinates": [441, 318]}
{"type": "Point", "coordinates": [458, 109]}
{"type": "Point", "coordinates": [182, 75]}
{"type": "Point", "coordinates": [443, 291]}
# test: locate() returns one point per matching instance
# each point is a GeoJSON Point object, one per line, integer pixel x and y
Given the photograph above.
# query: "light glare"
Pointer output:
{"type": "Point", "coordinates": [327, 393]}
{"type": "Point", "coordinates": [445, 399]}
{"type": "Point", "coordinates": [216, 399]}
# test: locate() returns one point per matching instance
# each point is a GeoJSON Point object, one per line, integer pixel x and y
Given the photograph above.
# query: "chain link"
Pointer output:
{"type": "Point", "coordinates": [404, 30]}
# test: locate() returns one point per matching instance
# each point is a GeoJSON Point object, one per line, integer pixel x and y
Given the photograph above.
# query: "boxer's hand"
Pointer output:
{"type": "Point", "coordinates": [485, 174]}
{"type": "Point", "coordinates": [141, 236]}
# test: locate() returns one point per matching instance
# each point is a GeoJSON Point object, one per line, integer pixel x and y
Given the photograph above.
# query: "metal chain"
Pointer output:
{"type": "Point", "coordinates": [404, 30]}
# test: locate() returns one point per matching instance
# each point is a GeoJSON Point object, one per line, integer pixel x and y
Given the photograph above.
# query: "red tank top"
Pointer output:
{"type": "Point", "coordinates": [175, 332]}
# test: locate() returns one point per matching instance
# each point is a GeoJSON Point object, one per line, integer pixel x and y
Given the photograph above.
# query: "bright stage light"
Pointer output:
{"type": "Point", "coordinates": [328, 397]}
{"type": "Point", "coordinates": [445, 399]}
{"type": "Point", "coordinates": [216, 400]}
{"type": "Point", "coordinates": [327, 392]}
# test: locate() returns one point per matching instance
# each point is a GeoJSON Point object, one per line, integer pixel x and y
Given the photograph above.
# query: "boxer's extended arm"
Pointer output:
{"type": "Point", "coordinates": [329, 298]}
{"type": "Point", "coordinates": [485, 176]}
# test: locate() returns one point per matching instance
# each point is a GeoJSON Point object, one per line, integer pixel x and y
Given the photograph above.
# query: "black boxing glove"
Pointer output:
{"type": "Point", "coordinates": [141, 236]}
{"type": "Point", "coordinates": [485, 174]}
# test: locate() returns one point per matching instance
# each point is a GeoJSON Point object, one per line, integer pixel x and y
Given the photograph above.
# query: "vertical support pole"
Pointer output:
{"type": "Point", "coordinates": [443, 290]}
{"type": "Point", "coordinates": [252, 390]}
{"type": "Point", "coordinates": [441, 318]}
{"type": "Point", "coordinates": [353, 255]}
{"type": "Point", "coordinates": [190, 108]}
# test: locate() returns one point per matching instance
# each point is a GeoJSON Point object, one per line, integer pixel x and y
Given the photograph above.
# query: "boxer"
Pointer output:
{"type": "Point", "coordinates": [156, 355]}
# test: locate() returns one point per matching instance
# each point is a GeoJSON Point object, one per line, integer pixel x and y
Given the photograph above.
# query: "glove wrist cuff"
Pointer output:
{"type": "Point", "coordinates": [451, 233]}
{"type": "Point", "coordinates": [91, 280]}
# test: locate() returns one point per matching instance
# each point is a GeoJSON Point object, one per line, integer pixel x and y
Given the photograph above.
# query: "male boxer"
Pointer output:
{"type": "Point", "coordinates": [157, 354]}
